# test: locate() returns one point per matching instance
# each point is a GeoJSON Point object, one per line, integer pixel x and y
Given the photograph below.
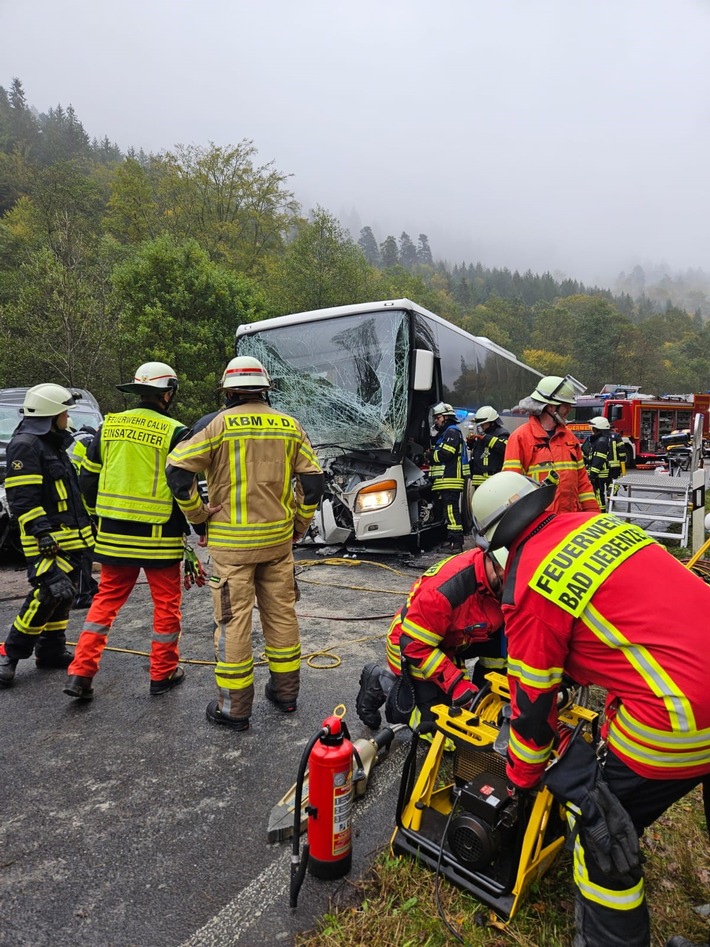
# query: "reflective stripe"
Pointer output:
{"type": "Point", "coordinates": [526, 753]}
{"type": "Point", "coordinates": [282, 660]}
{"type": "Point", "coordinates": [539, 678]}
{"type": "Point", "coordinates": [662, 759]}
{"type": "Point", "coordinates": [194, 502]}
{"type": "Point", "coordinates": [23, 622]}
{"type": "Point", "coordinates": [651, 735]}
{"type": "Point", "coordinates": [624, 900]}
{"type": "Point", "coordinates": [235, 677]}
{"type": "Point", "coordinates": [30, 515]}
{"type": "Point", "coordinates": [67, 538]}
{"type": "Point", "coordinates": [250, 536]}
{"type": "Point", "coordinates": [419, 633]}
{"type": "Point", "coordinates": [165, 637]}
{"type": "Point", "coordinates": [23, 480]}
{"type": "Point", "coordinates": [660, 683]}
{"type": "Point", "coordinates": [429, 667]}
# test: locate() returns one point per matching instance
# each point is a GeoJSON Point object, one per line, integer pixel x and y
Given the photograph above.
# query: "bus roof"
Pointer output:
{"type": "Point", "coordinates": [315, 315]}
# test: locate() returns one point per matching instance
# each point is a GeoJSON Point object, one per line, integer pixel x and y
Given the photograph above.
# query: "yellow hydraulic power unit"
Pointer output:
{"type": "Point", "coordinates": [455, 815]}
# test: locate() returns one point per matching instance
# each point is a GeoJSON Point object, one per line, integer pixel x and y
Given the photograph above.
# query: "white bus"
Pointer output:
{"type": "Point", "coordinates": [362, 380]}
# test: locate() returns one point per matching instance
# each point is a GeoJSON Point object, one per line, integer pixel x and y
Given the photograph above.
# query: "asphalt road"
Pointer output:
{"type": "Point", "coordinates": [131, 820]}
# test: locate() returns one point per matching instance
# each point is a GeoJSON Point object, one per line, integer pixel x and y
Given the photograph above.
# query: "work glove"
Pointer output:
{"type": "Point", "coordinates": [194, 574]}
{"type": "Point", "coordinates": [606, 831]}
{"type": "Point", "coordinates": [60, 587]}
{"type": "Point", "coordinates": [462, 693]}
{"type": "Point", "coordinates": [47, 545]}
{"type": "Point", "coordinates": [608, 834]}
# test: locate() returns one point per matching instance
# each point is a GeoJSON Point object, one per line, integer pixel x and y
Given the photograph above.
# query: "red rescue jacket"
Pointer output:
{"type": "Point", "coordinates": [534, 452]}
{"type": "Point", "coordinates": [596, 598]}
{"type": "Point", "coordinates": [449, 609]}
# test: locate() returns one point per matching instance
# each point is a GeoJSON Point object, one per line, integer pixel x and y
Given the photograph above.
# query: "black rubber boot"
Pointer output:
{"type": "Point", "coordinates": [58, 660]}
{"type": "Point", "coordinates": [79, 687]}
{"type": "Point", "coordinates": [370, 697]}
{"type": "Point", "coordinates": [162, 687]}
{"type": "Point", "coordinates": [285, 706]}
{"type": "Point", "coordinates": [7, 670]}
{"type": "Point", "coordinates": [215, 715]}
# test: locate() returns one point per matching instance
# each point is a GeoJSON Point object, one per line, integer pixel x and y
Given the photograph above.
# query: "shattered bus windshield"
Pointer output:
{"type": "Point", "coordinates": [346, 379]}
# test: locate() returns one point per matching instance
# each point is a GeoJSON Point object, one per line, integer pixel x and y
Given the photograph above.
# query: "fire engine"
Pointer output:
{"type": "Point", "coordinates": [641, 420]}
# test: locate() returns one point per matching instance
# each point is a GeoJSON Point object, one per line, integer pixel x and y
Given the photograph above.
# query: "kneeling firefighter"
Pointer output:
{"type": "Point", "coordinates": [452, 614]}
{"type": "Point", "coordinates": [55, 529]}
{"type": "Point", "coordinates": [586, 595]}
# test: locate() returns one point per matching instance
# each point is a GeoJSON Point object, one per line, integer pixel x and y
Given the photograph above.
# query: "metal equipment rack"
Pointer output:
{"type": "Point", "coordinates": [655, 503]}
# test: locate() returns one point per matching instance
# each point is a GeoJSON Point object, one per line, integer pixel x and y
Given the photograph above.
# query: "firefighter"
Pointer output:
{"type": "Point", "coordinates": [250, 453]}
{"type": "Point", "coordinates": [449, 467]}
{"type": "Point", "coordinates": [139, 527]}
{"type": "Point", "coordinates": [595, 598]}
{"type": "Point", "coordinates": [43, 494]}
{"type": "Point", "coordinates": [544, 446]}
{"type": "Point", "coordinates": [451, 614]}
{"type": "Point", "coordinates": [600, 451]}
{"type": "Point", "coordinates": [486, 445]}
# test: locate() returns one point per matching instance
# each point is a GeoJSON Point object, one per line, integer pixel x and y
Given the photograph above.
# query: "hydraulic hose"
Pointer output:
{"type": "Point", "coordinates": [298, 866]}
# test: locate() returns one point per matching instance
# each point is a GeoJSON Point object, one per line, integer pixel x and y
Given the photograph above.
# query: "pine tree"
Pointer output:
{"type": "Point", "coordinates": [389, 252]}
{"type": "Point", "coordinates": [368, 245]}
{"type": "Point", "coordinates": [424, 251]}
{"type": "Point", "coordinates": [407, 251]}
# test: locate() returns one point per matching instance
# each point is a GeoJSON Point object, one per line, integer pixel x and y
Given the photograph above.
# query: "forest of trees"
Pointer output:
{"type": "Point", "coordinates": [110, 259]}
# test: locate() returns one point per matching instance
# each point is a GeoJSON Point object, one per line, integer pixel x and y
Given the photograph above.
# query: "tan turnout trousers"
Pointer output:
{"type": "Point", "coordinates": [234, 587]}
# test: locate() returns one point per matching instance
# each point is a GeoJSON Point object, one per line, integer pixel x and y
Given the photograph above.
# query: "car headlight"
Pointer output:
{"type": "Point", "coordinates": [376, 496]}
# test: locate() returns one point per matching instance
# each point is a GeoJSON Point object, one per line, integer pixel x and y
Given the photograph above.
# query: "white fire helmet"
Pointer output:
{"type": "Point", "coordinates": [505, 504]}
{"type": "Point", "coordinates": [47, 401]}
{"type": "Point", "coordinates": [443, 408]}
{"type": "Point", "coordinates": [151, 376]}
{"type": "Point", "coordinates": [553, 389]}
{"type": "Point", "coordinates": [600, 424]}
{"type": "Point", "coordinates": [244, 371]}
{"type": "Point", "coordinates": [486, 415]}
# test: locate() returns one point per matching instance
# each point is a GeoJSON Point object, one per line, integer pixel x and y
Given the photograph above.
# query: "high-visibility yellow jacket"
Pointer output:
{"type": "Point", "coordinates": [124, 484]}
{"type": "Point", "coordinates": [250, 454]}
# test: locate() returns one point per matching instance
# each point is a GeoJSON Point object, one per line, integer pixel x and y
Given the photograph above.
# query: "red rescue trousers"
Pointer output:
{"type": "Point", "coordinates": [117, 583]}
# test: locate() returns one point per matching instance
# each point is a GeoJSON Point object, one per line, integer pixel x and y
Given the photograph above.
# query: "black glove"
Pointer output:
{"type": "Point", "coordinates": [605, 827]}
{"type": "Point", "coordinates": [47, 545]}
{"type": "Point", "coordinates": [60, 587]}
{"type": "Point", "coordinates": [608, 834]}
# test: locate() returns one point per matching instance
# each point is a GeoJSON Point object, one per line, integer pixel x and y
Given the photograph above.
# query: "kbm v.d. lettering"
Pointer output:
{"type": "Point", "coordinates": [254, 420]}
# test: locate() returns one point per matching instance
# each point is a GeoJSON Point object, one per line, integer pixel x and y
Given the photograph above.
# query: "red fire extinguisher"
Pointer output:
{"type": "Point", "coordinates": [328, 851]}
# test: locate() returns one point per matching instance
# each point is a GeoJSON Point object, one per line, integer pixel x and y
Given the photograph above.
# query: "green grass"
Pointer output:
{"type": "Point", "coordinates": [395, 905]}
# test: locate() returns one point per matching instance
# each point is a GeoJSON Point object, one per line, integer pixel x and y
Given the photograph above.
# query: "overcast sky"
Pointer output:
{"type": "Point", "coordinates": [569, 135]}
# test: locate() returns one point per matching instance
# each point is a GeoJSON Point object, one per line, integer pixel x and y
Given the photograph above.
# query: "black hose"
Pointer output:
{"type": "Point", "coordinates": [298, 866]}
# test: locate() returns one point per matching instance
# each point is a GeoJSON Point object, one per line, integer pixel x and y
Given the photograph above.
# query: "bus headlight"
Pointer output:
{"type": "Point", "coordinates": [376, 496]}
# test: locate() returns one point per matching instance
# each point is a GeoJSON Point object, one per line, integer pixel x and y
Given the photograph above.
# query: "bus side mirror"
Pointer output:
{"type": "Point", "coordinates": [423, 370]}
